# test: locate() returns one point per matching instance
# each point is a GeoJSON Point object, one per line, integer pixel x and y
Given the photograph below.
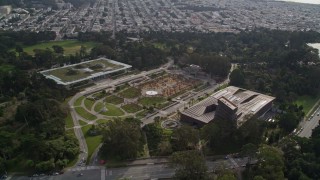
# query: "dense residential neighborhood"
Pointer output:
{"type": "Point", "coordinates": [159, 89]}
{"type": "Point", "coordinates": [162, 15]}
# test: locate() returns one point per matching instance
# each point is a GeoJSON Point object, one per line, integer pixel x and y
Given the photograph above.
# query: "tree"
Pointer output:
{"type": "Point", "coordinates": [83, 51]}
{"type": "Point", "coordinates": [123, 139]}
{"type": "Point", "coordinates": [164, 148]}
{"type": "Point", "coordinates": [227, 176]}
{"type": "Point", "coordinates": [154, 135]}
{"type": "Point", "coordinates": [289, 120]}
{"type": "Point", "coordinates": [190, 165]}
{"type": "Point", "coordinates": [185, 138]}
{"type": "Point", "coordinates": [211, 133]}
{"type": "Point", "coordinates": [270, 164]}
{"type": "Point", "coordinates": [236, 78]}
{"type": "Point", "coordinates": [19, 50]}
{"type": "Point", "coordinates": [249, 150]}
{"type": "Point", "coordinates": [58, 49]}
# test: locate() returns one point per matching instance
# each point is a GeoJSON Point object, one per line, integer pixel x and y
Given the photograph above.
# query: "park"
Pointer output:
{"type": "Point", "coordinates": [138, 98]}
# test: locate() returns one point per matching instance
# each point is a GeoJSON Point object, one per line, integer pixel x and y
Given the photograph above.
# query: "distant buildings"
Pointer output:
{"type": "Point", "coordinates": [232, 104]}
{"type": "Point", "coordinates": [4, 10]}
{"type": "Point", "coordinates": [138, 16]}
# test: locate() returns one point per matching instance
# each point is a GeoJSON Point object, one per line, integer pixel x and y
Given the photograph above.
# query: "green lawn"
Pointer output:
{"type": "Point", "coordinates": [142, 114]}
{"type": "Point", "coordinates": [114, 99]}
{"type": "Point", "coordinates": [149, 101]}
{"type": "Point", "coordinates": [92, 141]}
{"type": "Point", "coordinates": [85, 114]}
{"type": "Point", "coordinates": [82, 123]}
{"type": "Point", "coordinates": [78, 101]}
{"type": "Point", "coordinates": [69, 46]}
{"type": "Point", "coordinates": [98, 107]}
{"type": "Point", "coordinates": [112, 110]}
{"type": "Point", "coordinates": [100, 121]}
{"type": "Point", "coordinates": [69, 121]}
{"type": "Point", "coordinates": [307, 102]}
{"type": "Point", "coordinates": [130, 93]}
{"type": "Point", "coordinates": [131, 108]}
{"type": "Point", "coordinates": [88, 103]}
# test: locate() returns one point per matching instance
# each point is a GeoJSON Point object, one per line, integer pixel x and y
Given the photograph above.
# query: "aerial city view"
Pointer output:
{"type": "Point", "coordinates": [159, 89]}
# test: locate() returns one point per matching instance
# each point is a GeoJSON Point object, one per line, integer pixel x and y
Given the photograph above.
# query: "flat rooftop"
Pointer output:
{"type": "Point", "coordinates": [248, 103]}
{"type": "Point", "coordinates": [87, 70]}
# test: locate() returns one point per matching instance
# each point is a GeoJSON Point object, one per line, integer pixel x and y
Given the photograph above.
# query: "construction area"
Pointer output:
{"type": "Point", "coordinates": [232, 103]}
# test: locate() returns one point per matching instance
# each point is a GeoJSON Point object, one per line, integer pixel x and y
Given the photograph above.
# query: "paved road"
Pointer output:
{"type": "Point", "coordinates": [148, 171]}
{"type": "Point", "coordinates": [310, 124]}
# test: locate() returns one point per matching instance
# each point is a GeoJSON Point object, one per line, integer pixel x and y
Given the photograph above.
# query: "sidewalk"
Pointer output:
{"type": "Point", "coordinates": [139, 162]}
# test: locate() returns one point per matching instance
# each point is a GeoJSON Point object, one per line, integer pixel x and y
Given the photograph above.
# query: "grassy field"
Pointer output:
{"type": "Point", "coordinates": [142, 114]}
{"type": "Point", "coordinates": [307, 102]}
{"type": "Point", "coordinates": [101, 121]}
{"type": "Point", "coordinates": [69, 121]}
{"type": "Point", "coordinates": [98, 107]}
{"type": "Point", "coordinates": [130, 93]}
{"type": "Point", "coordinates": [88, 103]}
{"type": "Point", "coordinates": [78, 101]}
{"type": "Point", "coordinates": [69, 46]}
{"type": "Point", "coordinates": [92, 141]}
{"type": "Point", "coordinates": [149, 101]}
{"type": "Point", "coordinates": [114, 99]}
{"type": "Point", "coordinates": [131, 108]}
{"type": "Point", "coordinates": [85, 114]}
{"type": "Point", "coordinates": [82, 123]}
{"type": "Point", "coordinates": [112, 110]}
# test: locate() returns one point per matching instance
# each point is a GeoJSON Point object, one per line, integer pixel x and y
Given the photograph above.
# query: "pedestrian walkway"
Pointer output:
{"type": "Point", "coordinates": [147, 161]}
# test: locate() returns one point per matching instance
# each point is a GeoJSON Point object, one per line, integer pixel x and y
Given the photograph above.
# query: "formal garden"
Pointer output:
{"type": "Point", "coordinates": [139, 98]}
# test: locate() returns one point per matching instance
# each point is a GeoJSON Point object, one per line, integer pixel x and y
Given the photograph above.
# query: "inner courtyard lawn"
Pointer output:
{"type": "Point", "coordinates": [151, 101]}
{"type": "Point", "coordinates": [130, 93]}
{"type": "Point", "coordinates": [112, 110]}
{"type": "Point", "coordinates": [114, 99]}
{"type": "Point", "coordinates": [131, 108]}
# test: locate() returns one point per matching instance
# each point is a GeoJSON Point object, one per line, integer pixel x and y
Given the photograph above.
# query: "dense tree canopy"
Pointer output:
{"type": "Point", "coordinates": [190, 165]}
{"type": "Point", "coordinates": [270, 163]}
{"type": "Point", "coordinates": [123, 139]}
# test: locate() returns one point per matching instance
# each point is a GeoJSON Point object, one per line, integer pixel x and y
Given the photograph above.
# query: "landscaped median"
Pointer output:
{"type": "Point", "coordinates": [130, 93]}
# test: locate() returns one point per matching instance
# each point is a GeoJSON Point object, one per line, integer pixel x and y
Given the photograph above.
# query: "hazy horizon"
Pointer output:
{"type": "Point", "coordinates": [304, 1]}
